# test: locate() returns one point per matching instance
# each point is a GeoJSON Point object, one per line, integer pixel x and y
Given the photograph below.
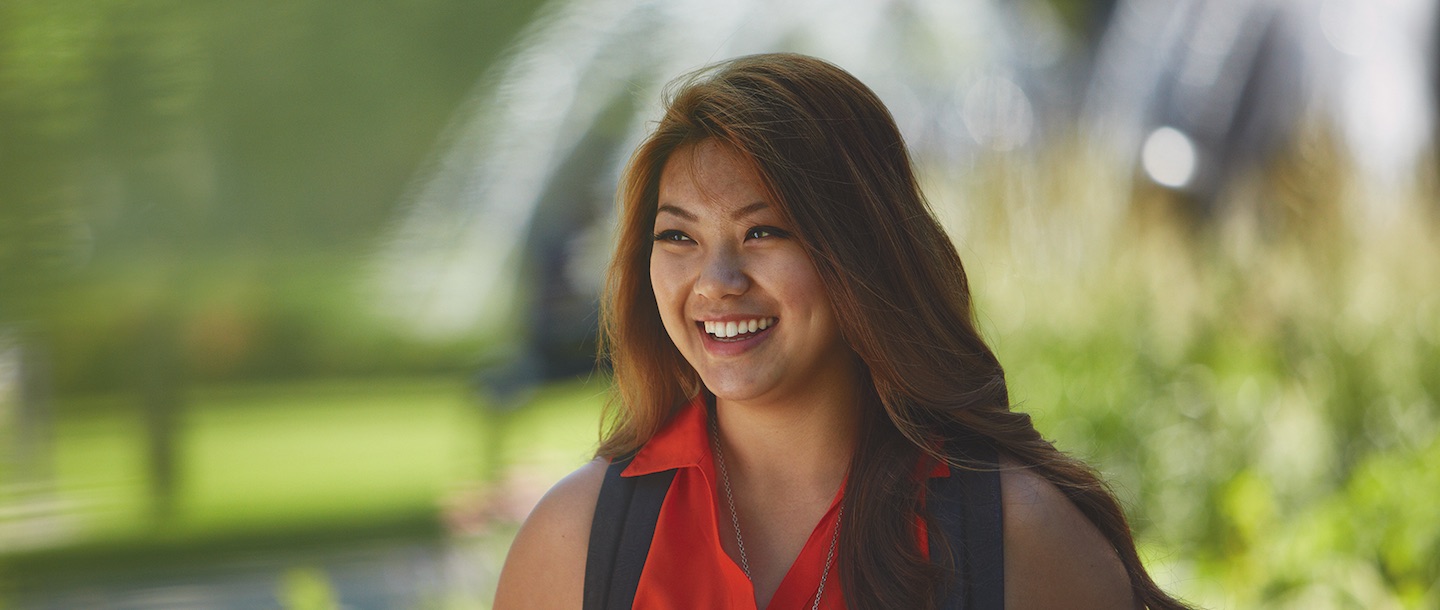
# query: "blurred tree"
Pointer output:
{"type": "Point", "coordinates": [45, 107]}
{"type": "Point", "coordinates": [100, 101]}
{"type": "Point", "coordinates": [159, 153]}
{"type": "Point", "coordinates": [146, 145]}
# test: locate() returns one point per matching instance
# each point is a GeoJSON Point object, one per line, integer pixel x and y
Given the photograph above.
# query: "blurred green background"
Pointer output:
{"type": "Point", "coordinates": [199, 408]}
{"type": "Point", "coordinates": [193, 390]}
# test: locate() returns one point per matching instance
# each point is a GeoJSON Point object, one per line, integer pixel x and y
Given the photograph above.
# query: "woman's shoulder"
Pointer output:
{"type": "Point", "coordinates": [546, 564]}
{"type": "Point", "coordinates": [1054, 555]}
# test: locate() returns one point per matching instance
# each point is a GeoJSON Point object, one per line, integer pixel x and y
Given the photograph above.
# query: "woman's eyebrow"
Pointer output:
{"type": "Point", "coordinates": [676, 211]}
{"type": "Point", "coordinates": [736, 215]}
{"type": "Point", "coordinates": [748, 210]}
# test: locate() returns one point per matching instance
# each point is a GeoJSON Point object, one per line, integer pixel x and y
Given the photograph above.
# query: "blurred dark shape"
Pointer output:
{"type": "Point", "coordinates": [561, 319]}
{"type": "Point", "coordinates": [160, 378]}
{"type": "Point", "coordinates": [1207, 90]}
{"type": "Point", "coordinates": [1197, 96]}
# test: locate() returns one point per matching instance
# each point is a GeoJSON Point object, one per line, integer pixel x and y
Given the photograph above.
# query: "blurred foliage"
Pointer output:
{"type": "Point", "coordinates": [307, 589]}
{"type": "Point", "coordinates": [222, 164]}
{"type": "Point", "coordinates": [236, 319]}
{"type": "Point", "coordinates": [1262, 391]}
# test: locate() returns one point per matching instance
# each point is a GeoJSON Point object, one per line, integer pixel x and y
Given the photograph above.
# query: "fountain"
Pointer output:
{"type": "Point", "coordinates": [508, 229]}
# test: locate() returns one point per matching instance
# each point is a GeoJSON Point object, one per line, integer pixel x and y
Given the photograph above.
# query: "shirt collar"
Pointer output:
{"type": "Point", "coordinates": [682, 442]}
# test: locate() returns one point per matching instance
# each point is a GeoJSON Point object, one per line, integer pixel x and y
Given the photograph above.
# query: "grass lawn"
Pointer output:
{"type": "Point", "coordinates": [283, 464]}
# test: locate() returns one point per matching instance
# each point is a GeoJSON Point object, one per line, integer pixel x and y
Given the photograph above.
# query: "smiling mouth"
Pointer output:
{"type": "Point", "coordinates": [736, 330]}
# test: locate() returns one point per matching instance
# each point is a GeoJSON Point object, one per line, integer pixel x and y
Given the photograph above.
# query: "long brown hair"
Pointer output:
{"type": "Point", "coordinates": [839, 172]}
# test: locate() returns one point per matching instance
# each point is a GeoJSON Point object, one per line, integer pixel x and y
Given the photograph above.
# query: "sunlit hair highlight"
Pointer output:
{"type": "Point", "coordinates": [839, 174]}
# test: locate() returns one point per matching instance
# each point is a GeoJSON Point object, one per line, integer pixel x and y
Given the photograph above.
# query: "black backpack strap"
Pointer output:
{"type": "Point", "coordinates": [620, 534]}
{"type": "Point", "coordinates": [965, 508]}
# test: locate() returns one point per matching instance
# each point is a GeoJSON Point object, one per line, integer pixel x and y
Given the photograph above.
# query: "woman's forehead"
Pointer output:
{"type": "Point", "coordinates": [710, 178]}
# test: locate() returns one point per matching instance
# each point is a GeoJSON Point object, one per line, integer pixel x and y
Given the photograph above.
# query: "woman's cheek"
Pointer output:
{"type": "Point", "coordinates": [666, 280]}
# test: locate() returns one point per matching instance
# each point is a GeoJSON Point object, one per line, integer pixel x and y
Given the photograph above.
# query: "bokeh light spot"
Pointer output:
{"type": "Point", "coordinates": [1169, 157]}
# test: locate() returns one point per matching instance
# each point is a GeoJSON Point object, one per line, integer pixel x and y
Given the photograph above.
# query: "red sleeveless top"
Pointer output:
{"type": "Point", "coordinates": [686, 567]}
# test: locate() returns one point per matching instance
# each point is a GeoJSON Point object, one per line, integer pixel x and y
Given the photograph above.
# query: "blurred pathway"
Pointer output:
{"type": "Point", "coordinates": [389, 575]}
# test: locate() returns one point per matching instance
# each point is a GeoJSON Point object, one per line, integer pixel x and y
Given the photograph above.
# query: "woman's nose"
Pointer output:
{"type": "Point", "coordinates": [723, 274]}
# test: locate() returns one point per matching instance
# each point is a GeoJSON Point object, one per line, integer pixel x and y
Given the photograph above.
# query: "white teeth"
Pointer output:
{"type": "Point", "coordinates": [725, 330]}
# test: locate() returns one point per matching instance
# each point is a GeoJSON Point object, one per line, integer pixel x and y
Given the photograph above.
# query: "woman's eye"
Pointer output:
{"type": "Point", "coordinates": [672, 235]}
{"type": "Point", "coordinates": [763, 232]}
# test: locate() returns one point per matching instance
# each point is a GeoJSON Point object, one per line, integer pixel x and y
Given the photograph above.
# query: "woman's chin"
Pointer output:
{"type": "Point", "coordinates": [735, 389]}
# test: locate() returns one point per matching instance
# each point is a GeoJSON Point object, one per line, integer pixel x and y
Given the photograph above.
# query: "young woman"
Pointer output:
{"type": "Point", "coordinates": [805, 414]}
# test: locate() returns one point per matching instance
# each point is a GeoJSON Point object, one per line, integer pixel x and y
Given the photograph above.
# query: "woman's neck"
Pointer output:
{"type": "Point", "coordinates": [801, 445]}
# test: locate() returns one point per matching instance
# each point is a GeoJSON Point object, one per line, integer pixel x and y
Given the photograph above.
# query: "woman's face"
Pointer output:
{"type": "Point", "coordinates": [737, 293]}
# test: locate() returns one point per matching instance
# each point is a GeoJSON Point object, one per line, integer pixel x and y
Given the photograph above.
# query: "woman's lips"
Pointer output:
{"type": "Point", "coordinates": [730, 337]}
{"type": "Point", "coordinates": [729, 329]}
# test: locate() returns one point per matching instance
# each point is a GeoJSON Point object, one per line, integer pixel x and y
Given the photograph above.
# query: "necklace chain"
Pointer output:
{"type": "Point", "coordinates": [735, 516]}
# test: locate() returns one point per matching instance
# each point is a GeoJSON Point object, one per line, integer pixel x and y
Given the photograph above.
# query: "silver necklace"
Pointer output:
{"type": "Point", "coordinates": [735, 517]}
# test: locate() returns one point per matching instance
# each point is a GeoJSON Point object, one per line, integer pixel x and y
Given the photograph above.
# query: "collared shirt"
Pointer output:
{"type": "Point", "coordinates": [686, 566]}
